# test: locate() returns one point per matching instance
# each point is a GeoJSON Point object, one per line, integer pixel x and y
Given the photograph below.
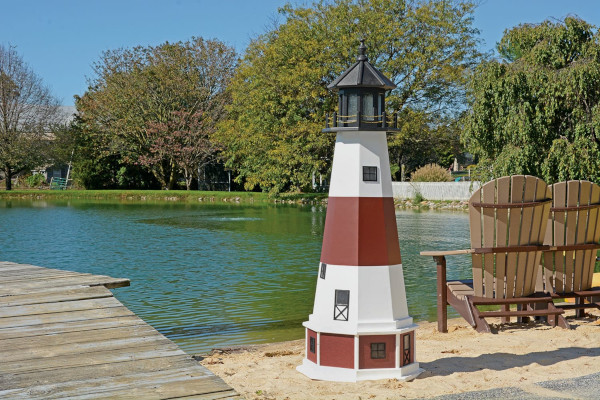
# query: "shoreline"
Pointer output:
{"type": "Point", "coordinates": [515, 356]}
{"type": "Point", "coordinates": [199, 197]}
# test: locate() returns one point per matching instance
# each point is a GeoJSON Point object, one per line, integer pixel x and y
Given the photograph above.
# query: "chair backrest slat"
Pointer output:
{"type": "Point", "coordinates": [475, 225]}
{"type": "Point", "coordinates": [571, 232]}
{"type": "Point", "coordinates": [507, 274]}
{"type": "Point", "coordinates": [574, 221]}
{"type": "Point", "coordinates": [503, 196]}
{"type": "Point", "coordinates": [488, 195]}
{"type": "Point", "coordinates": [514, 229]}
{"type": "Point", "coordinates": [580, 269]}
{"type": "Point", "coordinates": [593, 232]}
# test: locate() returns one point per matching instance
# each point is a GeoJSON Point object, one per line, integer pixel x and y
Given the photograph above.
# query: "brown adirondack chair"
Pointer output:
{"type": "Point", "coordinates": [573, 234]}
{"type": "Point", "coordinates": [508, 218]}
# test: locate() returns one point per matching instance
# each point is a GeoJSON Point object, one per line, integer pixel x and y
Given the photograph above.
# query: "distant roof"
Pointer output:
{"type": "Point", "coordinates": [362, 74]}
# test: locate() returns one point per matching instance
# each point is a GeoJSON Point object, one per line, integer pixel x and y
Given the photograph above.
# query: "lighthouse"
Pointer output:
{"type": "Point", "coordinates": [360, 328]}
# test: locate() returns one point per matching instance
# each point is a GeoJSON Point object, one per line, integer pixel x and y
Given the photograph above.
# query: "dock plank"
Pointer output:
{"type": "Point", "coordinates": [97, 359]}
{"type": "Point", "coordinates": [120, 316]}
{"type": "Point", "coordinates": [77, 337]}
{"type": "Point", "coordinates": [128, 345]}
{"type": "Point", "coordinates": [58, 307]}
{"type": "Point", "coordinates": [12, 288]}
{"type": "Point", "coordinates": [63, 335]}
{"type": "Point", "coordinates": [56, 296]}
{"type": "Point", "coordinates": [61, 373]}
{"type": "Point", "coordinates": [42, 319]}
{"type": "Point", "coordinates": [154, 385]}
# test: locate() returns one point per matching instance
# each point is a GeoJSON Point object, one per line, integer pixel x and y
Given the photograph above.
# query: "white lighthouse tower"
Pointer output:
{"type": "Point", "coordinates": [360, 328]}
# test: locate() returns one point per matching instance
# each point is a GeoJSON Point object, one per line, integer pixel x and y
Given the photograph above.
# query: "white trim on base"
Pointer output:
{"type": "Point", "coordinates": [335, 374]}
{"type": "Point", "coordinates": [390, 328]}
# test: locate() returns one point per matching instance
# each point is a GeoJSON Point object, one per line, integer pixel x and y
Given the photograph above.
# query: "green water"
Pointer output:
{"type": "Point", "coordinates": [214, 275]}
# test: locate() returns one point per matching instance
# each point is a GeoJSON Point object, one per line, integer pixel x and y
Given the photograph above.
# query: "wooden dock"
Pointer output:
{"type": "Point", "coordinates": [64, 335]}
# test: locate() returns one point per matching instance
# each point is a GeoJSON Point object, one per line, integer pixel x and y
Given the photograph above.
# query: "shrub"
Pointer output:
{"type": "Point", "coordinates": [35, 180]}
{"type": "Point", "coordinates": [418, 198]}
{"type": "Point", "coordinates": [431, 173]}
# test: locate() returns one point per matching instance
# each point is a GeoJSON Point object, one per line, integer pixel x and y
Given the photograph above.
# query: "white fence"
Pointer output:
{"type": "Point", "coordinates": [435, 190]}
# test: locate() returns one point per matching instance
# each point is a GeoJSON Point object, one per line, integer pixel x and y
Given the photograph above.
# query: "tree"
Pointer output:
{"type": "Point", "coordinates": [27, 111]}
{"type": "Point", "coordinates": [184, 141]}
{"type": "Point", "coordinates": [537, 111]}
{"type": "Point", "coordinates": [280, 97]}
{"type": "Point", "coordinates": [138, 95]}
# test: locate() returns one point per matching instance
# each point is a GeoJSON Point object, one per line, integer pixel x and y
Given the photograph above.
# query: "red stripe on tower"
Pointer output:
{"type": "Point", "coordinates": [360, 231]}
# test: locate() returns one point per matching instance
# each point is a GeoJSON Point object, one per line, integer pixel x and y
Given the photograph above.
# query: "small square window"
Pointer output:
{"type": "Point", "coordinates": [323, 270]}
{"type": "Point", "coordinates": [342, 301]}
{"type": "Point", "coordinates": [342, 297]}
{"type": "Point", "coordinates": [378, 351]}
{"type": "Point", "coordinates": [370, 174]}
{"type": "Point", "coordinates": [312, 345]}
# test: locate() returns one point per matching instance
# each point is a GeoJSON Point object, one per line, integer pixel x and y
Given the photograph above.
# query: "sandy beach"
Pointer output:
{"type": "Point", "coordinates": [459, 361]}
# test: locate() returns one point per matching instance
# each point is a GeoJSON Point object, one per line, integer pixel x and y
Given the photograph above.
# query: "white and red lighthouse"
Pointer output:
{"type": "Point", "coordinates": [360, 328]}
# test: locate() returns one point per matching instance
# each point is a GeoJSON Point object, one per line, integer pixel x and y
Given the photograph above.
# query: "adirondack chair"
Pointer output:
{"type": "Point", "coordinates": [508, 218]}
{"type": "Point", "coordinates": [573, 234]}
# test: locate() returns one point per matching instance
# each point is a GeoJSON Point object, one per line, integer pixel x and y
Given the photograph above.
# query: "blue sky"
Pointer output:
{"type": "Point", "coordinates": [61, 39]}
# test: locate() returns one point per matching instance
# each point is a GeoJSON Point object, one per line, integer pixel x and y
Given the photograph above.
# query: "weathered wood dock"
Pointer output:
{"type": "Point", "coordinates": [64, 335]}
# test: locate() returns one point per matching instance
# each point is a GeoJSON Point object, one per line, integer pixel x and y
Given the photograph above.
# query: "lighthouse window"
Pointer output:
{"type": "Point", "coordinates": [370, 174]}
{"type": "Point", "coordinates": [378, 350]}
{"type": "Point", "coordinates": [368, 108]}
{"type": "Point", "coordinates": [323, 270]}
{"type": "Point", "coordinates": [352, 106]}
{"type": "Point", "coordinates": [312, 345]}
{"type": "Point", "coordinates": [406, 349]}
{"type": "Point", "coordinates": [342, 301]}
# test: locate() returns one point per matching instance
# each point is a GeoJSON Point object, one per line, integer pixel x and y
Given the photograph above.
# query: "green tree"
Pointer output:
{"type": "Point", "coordinates": [280, 96]}
{"type": "Point", "coordinates": [537, 110]}
{"type": "Point", "coordinates": [136, 90]}
{"type": "Point", "coordinates": [95, 166]}
{"type": "Point", "coordinates": [27, 112]}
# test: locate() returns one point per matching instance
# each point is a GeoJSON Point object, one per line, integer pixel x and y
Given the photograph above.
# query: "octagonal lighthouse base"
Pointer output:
{"type": "Point", "coordinates": [360, 328]}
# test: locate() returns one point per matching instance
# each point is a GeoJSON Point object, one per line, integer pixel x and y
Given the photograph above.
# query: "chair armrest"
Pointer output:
{"type": "Point", "coordinates": [440, 253]}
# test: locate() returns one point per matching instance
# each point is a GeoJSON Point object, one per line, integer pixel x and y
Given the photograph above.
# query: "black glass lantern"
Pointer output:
{"type": "Point", "coordinates": [361, 90]}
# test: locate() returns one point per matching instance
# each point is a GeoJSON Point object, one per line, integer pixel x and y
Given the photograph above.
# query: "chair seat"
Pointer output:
{"type": "Point", "coordinates": [460, 289]}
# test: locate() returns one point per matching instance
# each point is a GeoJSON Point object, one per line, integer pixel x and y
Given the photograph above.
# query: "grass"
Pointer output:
{"type": "Point", "coordinates": [418, 198]}
{"type": "Point", "coordinates": [162, 195]}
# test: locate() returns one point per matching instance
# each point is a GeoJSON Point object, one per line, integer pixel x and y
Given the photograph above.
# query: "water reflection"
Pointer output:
{"type": "Point", "coordinates": [212, 275]}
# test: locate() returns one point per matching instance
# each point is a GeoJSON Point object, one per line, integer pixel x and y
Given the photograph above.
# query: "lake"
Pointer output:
{"type": "Point", "coordinates": [215, 275]}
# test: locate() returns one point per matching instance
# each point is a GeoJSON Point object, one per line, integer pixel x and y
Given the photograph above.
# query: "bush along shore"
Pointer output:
{"type": "Point", "coordinates": [449, 205]}
{"type": "Point", "coordinates": [211, 197]}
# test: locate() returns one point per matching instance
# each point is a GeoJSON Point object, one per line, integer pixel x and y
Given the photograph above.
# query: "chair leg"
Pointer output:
{"type": "Point", "coordinates": [580, 312]}
{"type": "Point", "coordinates": [505, 307]}
{"type": "Point", "coordinates": [464, 308]}
{"type": "Point", "coordinates": [522, 320]}
{"type": "Point", "coordinates": [557, 319]}
{"type": "Point", "coordinates": [481, 324]}
{"type": "Point", "coordinates": [442, 295]}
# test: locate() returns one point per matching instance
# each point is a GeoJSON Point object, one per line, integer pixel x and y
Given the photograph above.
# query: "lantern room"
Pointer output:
{"type": "Point", "coordinates": [361, 104]}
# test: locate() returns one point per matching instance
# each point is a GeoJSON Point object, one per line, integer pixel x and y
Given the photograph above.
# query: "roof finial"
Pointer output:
{"type": "Point", "coordinates": [362, 49]}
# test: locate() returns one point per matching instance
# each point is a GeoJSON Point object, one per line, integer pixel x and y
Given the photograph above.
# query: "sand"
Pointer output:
{"type": "Point", "coordinates": [459, 361]}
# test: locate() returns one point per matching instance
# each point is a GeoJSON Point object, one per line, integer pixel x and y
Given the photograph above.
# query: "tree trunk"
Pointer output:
{"type": "Point", "coordinates": [158, 172]}
{"type": "Point", "coordinates": [8, 176]}
{"type": "Point", "coordinates": [171, 182]}
{"type": "Point", "coordinates": [189, 176]}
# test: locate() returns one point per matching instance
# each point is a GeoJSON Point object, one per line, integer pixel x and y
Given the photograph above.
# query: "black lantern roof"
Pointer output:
{"type": "Point", "coordinates": [362, 74]}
